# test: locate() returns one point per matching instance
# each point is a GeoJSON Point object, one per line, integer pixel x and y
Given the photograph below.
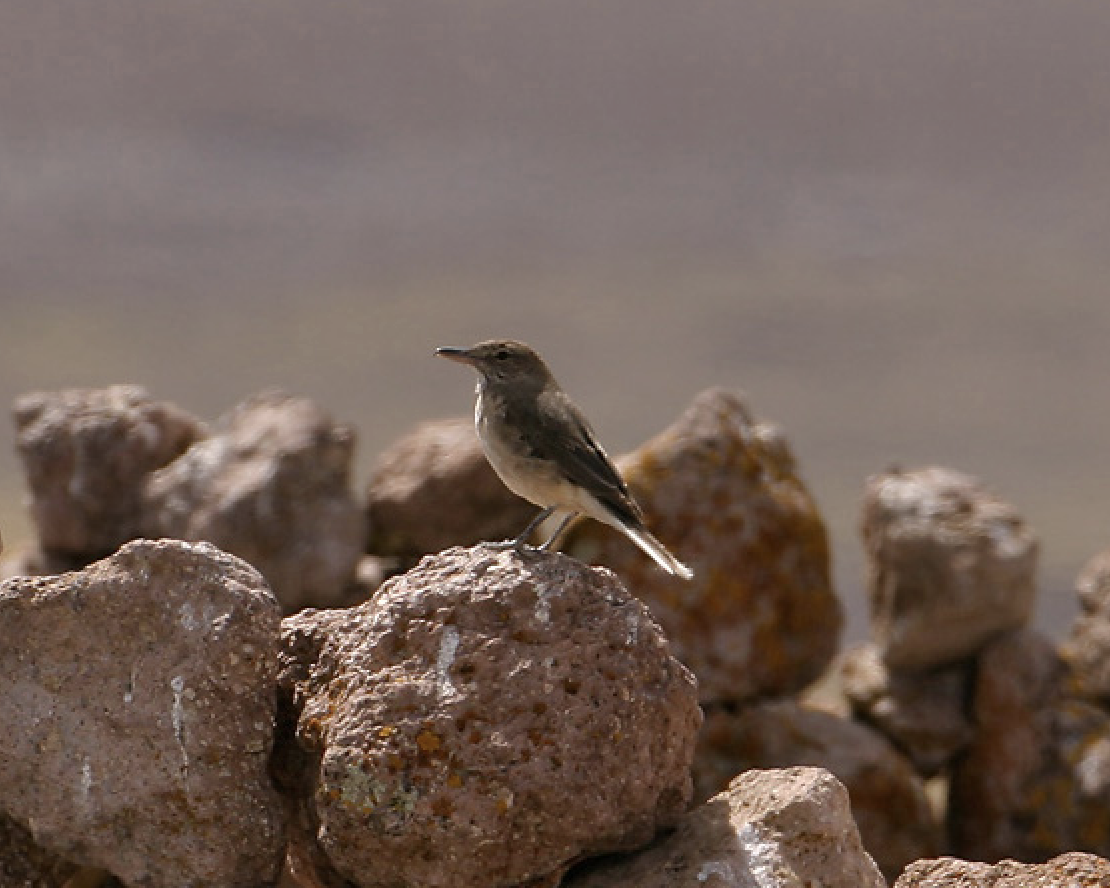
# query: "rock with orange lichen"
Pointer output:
{"type": "Point", "coordinates": [720, 489]}
{"type": "Point", "coordinates": [1035, 780]}
{"type": "Point", "coordinates": [485, 720]}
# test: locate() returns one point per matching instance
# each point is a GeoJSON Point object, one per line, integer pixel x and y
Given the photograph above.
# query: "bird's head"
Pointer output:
{"type": "Point", "coordinates": [502, 362]}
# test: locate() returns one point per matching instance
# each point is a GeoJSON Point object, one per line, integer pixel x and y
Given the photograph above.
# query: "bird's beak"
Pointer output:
{"type": "Point", "coordinates": [461, 355]}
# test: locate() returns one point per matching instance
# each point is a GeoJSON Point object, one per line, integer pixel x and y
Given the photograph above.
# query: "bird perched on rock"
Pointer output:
{"type": "Point", "coordinates": [542, 447]}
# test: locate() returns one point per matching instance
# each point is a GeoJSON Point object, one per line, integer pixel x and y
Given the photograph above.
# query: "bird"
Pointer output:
{"type": "Point", "coordinates": [544, 450]}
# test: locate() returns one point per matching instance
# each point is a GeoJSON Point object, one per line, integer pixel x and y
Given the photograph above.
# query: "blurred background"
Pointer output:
{"type": "Point", "coordinates": [885, 221]}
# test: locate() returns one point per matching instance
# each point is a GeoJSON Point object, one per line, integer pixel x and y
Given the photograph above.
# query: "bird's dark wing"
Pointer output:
{"type": "Point", "coordinates": [564, 436]}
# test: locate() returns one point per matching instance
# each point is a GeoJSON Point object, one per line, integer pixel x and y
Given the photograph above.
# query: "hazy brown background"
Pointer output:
{"type": "Point", "coordinates": [886, 221]}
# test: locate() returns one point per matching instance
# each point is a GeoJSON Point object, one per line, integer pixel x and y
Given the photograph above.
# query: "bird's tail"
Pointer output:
{"type": "Point", "coordinates": [657, 551]}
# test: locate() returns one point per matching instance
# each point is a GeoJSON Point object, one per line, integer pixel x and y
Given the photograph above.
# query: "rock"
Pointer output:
{"type": "Point", "coordinates": [951, 566]}
{"type": "Point", "coordinates": [1074, 870]}
{"type": "Point", "coordinates": [486, 719]}
{"type": "Point", "coordinates": [921, 713]}
{"type": "Point", "coordinates": [720, 489]}
{"type": "Point", "coordinates": [1086, 650]}
{"type": "Point", "coordinates": [434, 488]}
{"type": "Point", "coordinates": [23, 864]}
{"type": "Point", "coordinates": [87, 454]}
{"type": "Point", "coordinates": [1036, 779]}
{"type": "Point", "coordinates": [35, 562]}
{"type": "Point", "coordinates": [888, 798]}
{"type": "Point", "coordinates": [273, 488]}
{"type": "Point", "coordinates": [138, 716]}
{"type": "Point", "coordinates": [789, 828]}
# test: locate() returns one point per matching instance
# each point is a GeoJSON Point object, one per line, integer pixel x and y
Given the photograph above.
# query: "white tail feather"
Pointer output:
{"type": "Point", "coordinates": [657, 551]}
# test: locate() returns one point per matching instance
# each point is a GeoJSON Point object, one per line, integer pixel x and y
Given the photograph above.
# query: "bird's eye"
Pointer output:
{"type": "Point", "coordinates": [502, 355]}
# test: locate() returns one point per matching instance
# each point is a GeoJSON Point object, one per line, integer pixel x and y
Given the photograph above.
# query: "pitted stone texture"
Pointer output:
{"type": "Point", "coordinates": [788, 828]}
{"type": "Point", "coordinates": [923, 713]}
{"type": "Point", "coordinates": [1086, 650]}
{"type": "Point", "coordinates": [138, 716]}
{"type": "Point", "coordinates": [1073, 870]}
{"type": "Point", "coordinates": [1036, 779]}
{"type": "Point", "coordinates": [434, 488]}
{"type": "Point", "coordinates": [720, 490]}
{"type": "Point", "coordinates": [888, 798]}
{"type": "Point", "coordinates": [87, 454]}
{"type": "Point", "coordinates": [273, 488]}
{"type": "Point", "coordinates": [486, 719]}
{"type": "Point", "coordinates": [951, 566]}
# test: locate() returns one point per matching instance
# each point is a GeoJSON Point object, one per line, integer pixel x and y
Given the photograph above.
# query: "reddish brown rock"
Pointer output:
{"type": "Point", "coordinates": [1074, 870]}
{"type": "Point", "coordinates": [1036, 779]}
{"type": "Point", "coordinates": [721, 491]}
{"type": "Point", "coordinates": [23, 864]}
{"type": "Point", "coordinates": [484, 720]}
{"type": "Point", "coordinates": [922, 713]}
{"type": "Point", "coordinates": [769, 828]}
{"type": "Point", "coordinates": [87, 454]}
{"type": "Point", "coordinates": [273, 488]}
{"type": "Point", "coordinates": [951, 566]}
{"type": "Point", "coordinates": [1086, 650]}
{"type": "Point", "coordinates": [888, 798]}
{"type": "Point", "coordinates": [138, 716]}
{"type": "Point", "coordinates": [434, 488]}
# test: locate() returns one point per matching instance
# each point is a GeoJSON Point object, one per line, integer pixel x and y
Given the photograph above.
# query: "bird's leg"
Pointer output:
{"type": "Point", "coordinates": [545, 546]}
{"type": "Point", "coordinates": [522, 537]}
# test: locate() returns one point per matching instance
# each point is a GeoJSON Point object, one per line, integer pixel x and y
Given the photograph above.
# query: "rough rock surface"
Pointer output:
{"type": "Point", "coordinates": [138, 716]}
{"type": "Point", "coordinates": [922, 713]}
{"type": "Point", "coordinates": [1073, 870]}
{"type": "Point", "coordinates": [720, 489]}
{"type": "Point", "coordinates": [888, 798]}
{"type": "Point", "coordinates": [434, 488]}
{"type": "Point", "coordinates": [951, 566]}
{"type": "Point", "coordinates": [23, 864]}
{"type": "Point", "coordinates": [1036, 779]}
{"type": "Point", "coordinates": [484, 720]}
{"type": "Point", "coordinates": [87, 454]}
{"type": "Point", "coordinates": [788, 828]}
{"type": "Point", "coordinates": [1086, 650]}
{"type": "Point", "coordinates": [272, 488]}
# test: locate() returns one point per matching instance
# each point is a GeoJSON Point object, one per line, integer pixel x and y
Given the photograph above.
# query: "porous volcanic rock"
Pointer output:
{"type": "Point", "coordinates": [1035, 780]}
{"type": "Point", "coordinates": [787, 828]}
{"type": "Point", "coordinates": [721, 490]}
{"type": "Point", "coordinates": [1072, 870]}
{"type": "Point", "coordinates": [888, 798]}
{"type": "Point", "coordinates": [951, 566]}
{"type": "Point", "coordinates": [434, 488]}
{"type": "Point", "coordinates": [923, 713]}
{"type": "Point", "coordinates": [273, 488]}
{"type": "Point", "coordinates": [1086, 650]}
{"type": "Point", "coordinates": [138, 716]}
{"type": "Point", "coordinates": [486, 719]}
{"type": "Point", "coordinates": [87, 454]}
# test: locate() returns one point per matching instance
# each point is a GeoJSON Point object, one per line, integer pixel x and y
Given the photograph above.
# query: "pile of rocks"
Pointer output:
{"type": "Point", "coordinates": [489, 719]}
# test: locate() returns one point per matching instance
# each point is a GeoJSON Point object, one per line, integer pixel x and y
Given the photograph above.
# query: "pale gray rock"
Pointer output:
{"type": "Point", "coordinates": [888, 797]}
{"type": "Point", "coordinates": [1072, 870]}
{"type": "Point", "coordinates": [923, 713]}
{"type": "Point", "coordinates": [138, 716]}
{"type": "Point", "coordinates": [721, 489]}
{"type": "Point", "coordinates": [434, 488]}
{"type": "Point", "coordinates": [87, 454]}
{"type": "Point", "coordinates": [272, 486]}
{"type": "Point", "coordinates": [951, 566]}
{"type": "Point", "coordinates": [1035, 780]}
{"type": "Point", "coordinates": [1086, 649]}
{"type": "Point", "coordinates": [485, 720]}
{"type": "Point", "coordinates": [787, 828]}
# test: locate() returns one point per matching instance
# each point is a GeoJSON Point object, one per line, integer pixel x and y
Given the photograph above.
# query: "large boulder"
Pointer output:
{"type": "Point", "coordinates": [1086, 649]}
{"type": "Point", "coordinates": [87, 454]}
{"type": "Point", "coordinates": [951, 566]}
{"type": "Point", "coordinates": [138, 716]}
{"type": "Point", "coordinates": [789, 828]}
{"type": "Point", "coordinates": [273, 487]}
{"type": "Point", "coordinates": [1072, 870]}
{"type": "Point", "coordinates": [486, 719]}
{"type": "Point", "coordinates": [434, 488]}
{"type": "Point", "coordinates": [721, 490]}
